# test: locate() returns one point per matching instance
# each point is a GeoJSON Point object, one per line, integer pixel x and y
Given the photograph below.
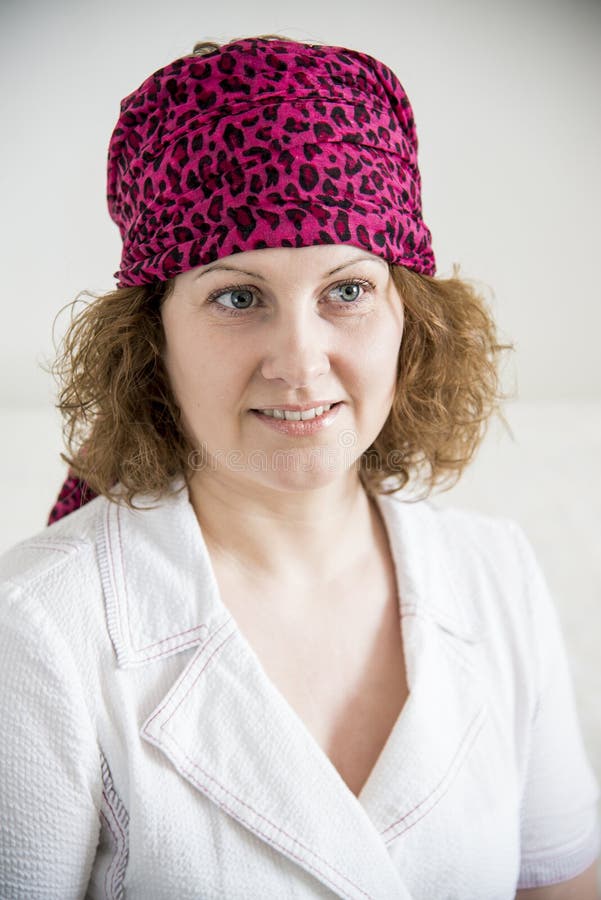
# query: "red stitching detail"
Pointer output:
{"type": "Point", "coordinates": [169, 650]}
{"type": "Point", "coordinates": [170, 700]}
{"type": "Point", "coordinates": [114, 814]}
{"type": "Point", "coordinates": [49, 546]}
{"type": "Point", "coordinates": [109, 551]}
{"type": "Point", "coordinates": [118, 858]}
{"type": "Point", "coordinates": [108, 868]}
{"type": "Point", "coordinates": [272, 824]}
{"type": "Point", "coordinates": [446, 777]}
{"type": "Point", "coordinates": [178, 634]}
{"type": "Point", "coordinates": [118, 517]}
{"type": "Point", "coordinates": [277, 827]}
{"type": "Point", "coordinates": [196, 628]}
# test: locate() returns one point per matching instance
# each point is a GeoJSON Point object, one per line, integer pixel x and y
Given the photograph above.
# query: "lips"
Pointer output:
{"type": "Point", "coordinates": [296, 408]}
{"type": "Point", "coordinates": [289, 415]}
{"type": "Point", "coordinates": [299, 427]}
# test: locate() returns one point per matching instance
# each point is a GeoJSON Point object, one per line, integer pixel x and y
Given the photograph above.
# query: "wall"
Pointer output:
{"type": "Point", "coordinates": [505, 97]}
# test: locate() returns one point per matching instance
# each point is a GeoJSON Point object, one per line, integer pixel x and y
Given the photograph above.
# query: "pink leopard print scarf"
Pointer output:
{"type": "Point", "coordinates": [262, 143]}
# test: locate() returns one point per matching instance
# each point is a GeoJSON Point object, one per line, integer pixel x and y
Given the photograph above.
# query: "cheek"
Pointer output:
{"type": "Point", "coordinates": [177, 358]}
{"type": "Point", "coordinates": [181, 366]}
{"type": "Point", "coordinates": [206, 374]}
{"type": "Point", "coordinates": [187, 353]}
{"type": "Point", "coordinates": [376, 362]}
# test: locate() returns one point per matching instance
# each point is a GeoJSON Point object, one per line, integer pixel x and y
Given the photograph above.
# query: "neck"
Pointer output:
{"type": "Point", "coordinates": [299, 538]}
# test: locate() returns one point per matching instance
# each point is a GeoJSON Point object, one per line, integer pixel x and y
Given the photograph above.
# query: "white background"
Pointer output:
{"type": "Point", "coordinates": [506, 101]}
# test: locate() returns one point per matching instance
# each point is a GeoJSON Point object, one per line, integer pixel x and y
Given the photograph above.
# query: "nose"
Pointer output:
{"type": "Point", "coordinates": [295, 349]}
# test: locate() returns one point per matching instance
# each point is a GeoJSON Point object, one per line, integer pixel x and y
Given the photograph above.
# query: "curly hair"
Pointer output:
{"type": "Point", "coordinates": [122, 423]}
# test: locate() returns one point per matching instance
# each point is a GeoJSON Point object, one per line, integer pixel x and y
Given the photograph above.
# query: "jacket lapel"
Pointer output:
{"type": "Point", "coordinates": [446, 708]}
{"type": "Point", "coordinates": [249, 752]}
{"type": "Point", "coordinates": [253, 757]}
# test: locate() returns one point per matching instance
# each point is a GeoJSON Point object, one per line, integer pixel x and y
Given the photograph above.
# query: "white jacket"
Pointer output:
{"type": "Point", "coordinates": [144, 752]}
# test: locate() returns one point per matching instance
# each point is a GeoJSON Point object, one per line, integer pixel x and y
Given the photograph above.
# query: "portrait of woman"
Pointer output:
{"type": "Point", "coordinates": [248, 657]}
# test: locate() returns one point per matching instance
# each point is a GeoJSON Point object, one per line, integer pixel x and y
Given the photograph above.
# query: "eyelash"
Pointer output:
{"type": "Point", "coordinates": [212, 298]}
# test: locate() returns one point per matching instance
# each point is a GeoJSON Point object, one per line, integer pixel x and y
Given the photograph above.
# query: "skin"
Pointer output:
{"type": "Point", "coordinates": [296, 526]}
{"type": "Point", "coordinates": [583, 887]}
{"type": "Point", "coordinates": [298, 521]}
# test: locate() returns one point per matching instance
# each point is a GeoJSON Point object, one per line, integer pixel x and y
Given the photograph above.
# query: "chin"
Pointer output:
{"type": "Point", "coordinates": [298, 482]}
{"type": "Point", "coordinates": [293, 473]}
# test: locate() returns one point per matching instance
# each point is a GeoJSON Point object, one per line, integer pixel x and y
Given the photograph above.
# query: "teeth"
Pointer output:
{"type": "Point", "coordinates": [295, 416]}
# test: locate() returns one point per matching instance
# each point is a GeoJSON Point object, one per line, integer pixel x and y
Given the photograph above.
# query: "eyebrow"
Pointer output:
{"type": "Point", "coordinates": [350, 262]}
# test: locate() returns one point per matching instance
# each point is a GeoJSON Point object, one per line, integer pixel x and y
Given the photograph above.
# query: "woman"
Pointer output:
{"type": "Point", "coordinates": [241, 662]}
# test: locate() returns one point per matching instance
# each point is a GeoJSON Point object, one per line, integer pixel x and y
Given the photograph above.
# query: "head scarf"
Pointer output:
{"type": "Point", "coordinates": [265, 143]}
{"type": "Point", "coordinates": [262, 143]}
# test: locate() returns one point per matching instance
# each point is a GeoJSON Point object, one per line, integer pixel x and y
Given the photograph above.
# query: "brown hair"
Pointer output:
{"type": "Point", "coordinates": [121, 422]}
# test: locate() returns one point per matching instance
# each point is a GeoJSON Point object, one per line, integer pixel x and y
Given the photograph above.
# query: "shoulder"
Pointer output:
{"type": "Point", "coordinates": [60, 545]}
{"type": "Point", "coordinates": [50, 582]}
{"type": "Point", "coordinates": [474, 573]}
{"type": "Point", "coordinates": [66, 545]}
{"type": "Point", "coordinates": [465, 530]}
{"type": "Point", "coordinates": [471, 545]}
{"type": "Point", "coordinates": [64, 580]}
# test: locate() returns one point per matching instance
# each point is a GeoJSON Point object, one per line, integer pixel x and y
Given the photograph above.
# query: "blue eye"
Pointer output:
{"type": "Point", "coordinates": [349, 284]}
{"type": "Point", "coordinates": [251, 292]}
{"type": "Point", "coordinates": [236, 292]}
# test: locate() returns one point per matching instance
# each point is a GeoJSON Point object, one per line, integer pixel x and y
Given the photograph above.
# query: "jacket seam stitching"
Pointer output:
{"type": "Point", "coordinates": [118, 865]}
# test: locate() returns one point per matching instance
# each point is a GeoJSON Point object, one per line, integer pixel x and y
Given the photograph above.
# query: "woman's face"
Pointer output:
{"type": "Point", "coordinates": [285, 331]}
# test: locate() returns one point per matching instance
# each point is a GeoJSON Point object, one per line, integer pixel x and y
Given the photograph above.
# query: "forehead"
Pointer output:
{"type": "Point", "coordinates": [322, 256]}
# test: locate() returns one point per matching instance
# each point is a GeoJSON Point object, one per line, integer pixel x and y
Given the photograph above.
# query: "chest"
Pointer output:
{"type": "Point", "coordinates": [337, 659]}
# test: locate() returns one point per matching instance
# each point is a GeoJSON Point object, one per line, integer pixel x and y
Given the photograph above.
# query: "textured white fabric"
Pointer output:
{"type": "Point", "coordinates": [145, 753]}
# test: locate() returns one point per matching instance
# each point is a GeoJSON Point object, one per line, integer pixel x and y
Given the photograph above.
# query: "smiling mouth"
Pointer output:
{"type": "Point", "coordinates": [295, 415]}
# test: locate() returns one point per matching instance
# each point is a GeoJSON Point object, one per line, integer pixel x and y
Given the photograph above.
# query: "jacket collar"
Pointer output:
{"type": "Point", "coordinates": [259, 762]}
{"type": "Point", "coordinates": [160, 591]}
{"type": "Point", "coordinates": [158, 551]}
